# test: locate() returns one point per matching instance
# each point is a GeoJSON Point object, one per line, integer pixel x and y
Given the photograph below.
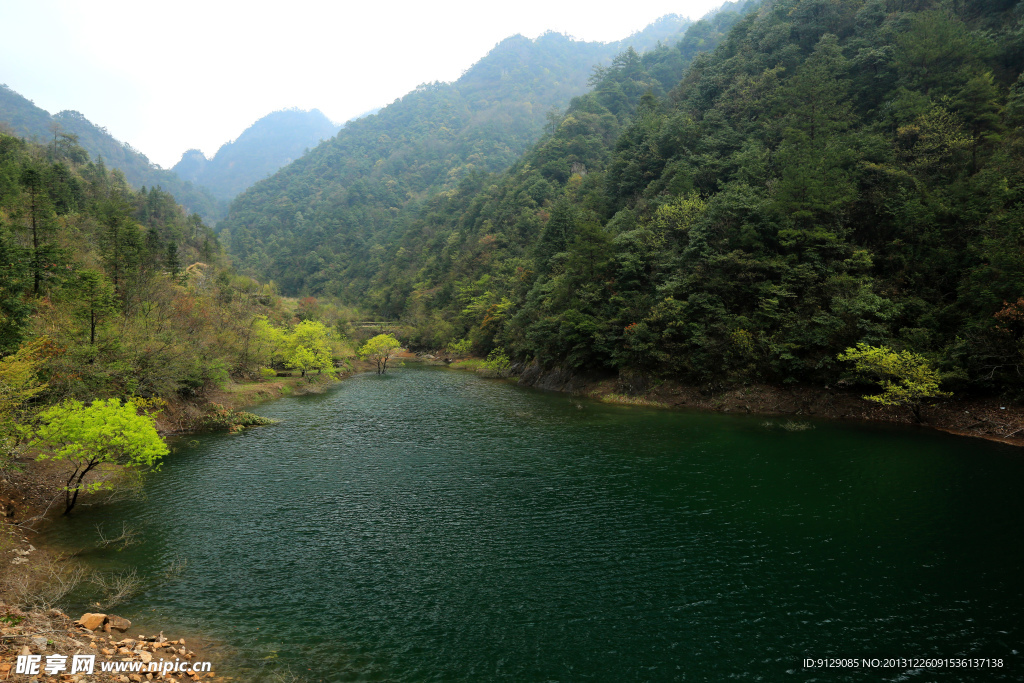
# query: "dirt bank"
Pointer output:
{"type": "Point", "coordinates": [985, 418]}
{"type": "Point", "coordinates": [185, 417]}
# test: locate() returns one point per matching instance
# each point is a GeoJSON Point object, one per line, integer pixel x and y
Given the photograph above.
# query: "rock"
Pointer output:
{"type": "Point", "coordinates": [135, 677]}
{"type": "Point", "coordinates": [91, 621]}
{"type": "Point", "coordinates": [39, 642]}
{"type": "Point", "coordinates": [118, 623]}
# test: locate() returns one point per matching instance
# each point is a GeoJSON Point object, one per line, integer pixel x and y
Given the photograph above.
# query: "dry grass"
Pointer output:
{"type": "Point", "coordinates": [624, 399]}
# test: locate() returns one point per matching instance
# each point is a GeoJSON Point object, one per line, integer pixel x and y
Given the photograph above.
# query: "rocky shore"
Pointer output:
{"type": "Point", "coordinates": [53, 647]}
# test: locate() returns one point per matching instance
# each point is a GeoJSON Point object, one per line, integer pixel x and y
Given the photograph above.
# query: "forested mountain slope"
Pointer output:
{"type": "Point", "coordinates": [317, 225]}
{"type": "Point", "coordinates": [274, 141]}
{"type": "Point", "coordinates": [108, 292]}
{"type": "Point", "coordinates": [26, 120]}
{"type": "Point", "coordinates": [833, 173]}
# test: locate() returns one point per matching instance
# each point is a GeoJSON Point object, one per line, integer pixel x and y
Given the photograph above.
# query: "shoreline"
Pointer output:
{"type": "Point", "coordinates": [27, 492]}
{"type": "Point", "coordinates": [983, 418]}
{"type": "Point", "coordinates": [986, 418]}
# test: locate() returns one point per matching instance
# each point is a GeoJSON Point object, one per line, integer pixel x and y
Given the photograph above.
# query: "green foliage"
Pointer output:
{"type": "Point", "coordinates": [14, 309]}
{"type": "Point", "coordinates": [20, 384]}
{"type": "Point", "coordinates": [743, 205]}
{"type": "Point", "coordinates": [76, 139]}
{"type": "Point", "coordinates": [380, 349]}
{"type": "Point", "coordinates": [906, 378]}
{"type": "Point", "coordinates": [326, 223]}
{"type": "Point", "coordinates": [460, 348]}
{"type": "Point", "coordinates": [497, 364]}
{"type": "Point", "coordinates": [133, 291]}
{"type": "Point", "coordinates": [308, 347]}
{"type": "Point", "coordinates": [84, 438]}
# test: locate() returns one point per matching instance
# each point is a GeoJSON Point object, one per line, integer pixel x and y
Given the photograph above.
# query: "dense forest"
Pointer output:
{"type": "Point", "coordinates": [274, 141]}
{"type": "Point", "coordinates": [319, 224]}
{"type": "Point", "coordinates": [831, 173]}
{"type": "Point", "coordinates": [109, 292]}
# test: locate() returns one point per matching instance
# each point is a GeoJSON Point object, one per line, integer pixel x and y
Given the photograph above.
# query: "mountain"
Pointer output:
{"type": "Point", "coordinates": [314, 223]}
{"type": "Point", "coordinates": [833, 174]}
{"type": "Point", "coordinates": [27, 120]}
{"type": "Point", "coordinates": [274, 141]}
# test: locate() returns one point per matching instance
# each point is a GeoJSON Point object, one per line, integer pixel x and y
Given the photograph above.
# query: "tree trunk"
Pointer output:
{"type": "Point", "coordinates": [71, 495]}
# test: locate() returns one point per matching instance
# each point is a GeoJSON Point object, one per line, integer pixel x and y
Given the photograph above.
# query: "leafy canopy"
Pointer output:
{"type": "Point", "coordinates": [905, 377]}
{"type": "Point", "coordinates": [104, 432]}
{"type": "Point", "coordinates": [308, 347]}
{"type": "Point", "coordinates": [379, 349]}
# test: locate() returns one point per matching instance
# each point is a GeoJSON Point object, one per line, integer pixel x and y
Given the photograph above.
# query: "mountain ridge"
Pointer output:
{"type": "Point", "coordinates": [344, 194]}
{"type": "Point", "coordinates": [271, 142]}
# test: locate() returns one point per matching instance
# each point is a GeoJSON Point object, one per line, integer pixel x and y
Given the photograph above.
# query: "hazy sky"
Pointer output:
{"type": "Point", "coordinates": [169, 76]}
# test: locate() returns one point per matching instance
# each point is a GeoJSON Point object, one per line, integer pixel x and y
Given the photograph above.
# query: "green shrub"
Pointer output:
{"type": "Point", "coordinates": [460, 348]}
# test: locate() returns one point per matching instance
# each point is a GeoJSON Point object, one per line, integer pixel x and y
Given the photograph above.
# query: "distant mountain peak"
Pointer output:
{"type": "Point", "coordinates": [268, 144]}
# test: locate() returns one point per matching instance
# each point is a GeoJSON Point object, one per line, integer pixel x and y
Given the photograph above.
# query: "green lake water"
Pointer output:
{"type": "Point", "coordinates": [434, 526]}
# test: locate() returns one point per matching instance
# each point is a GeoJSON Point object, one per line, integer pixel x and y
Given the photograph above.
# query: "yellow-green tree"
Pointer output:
{"type": "Point", "coordinates": [380, 349]}
{"type": "Point", "coordinates": [19, 384]}
{"type": "Point", "coordinates": [106, 432]}
{"type": "Point", "coordinates": [308, 347]}
{"type": "Point", "coordinates": [261, 343]}
{"type": "Point", "coordinates": [906, 378]}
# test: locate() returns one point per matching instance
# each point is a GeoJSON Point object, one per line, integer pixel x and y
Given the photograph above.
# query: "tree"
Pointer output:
{"type": "Point", "coordinates": [379, 349]}
{"type": "Point", "coordinates": [905, 377]}
{"type": "Point", "coordinates": [14, 310]}
{"type": "Point", "coordinates": [106, 432]}
{"type": "Point", "coordinates": [815, 151]}
{"type": "Point", "coordinates": [19, 384]}
{"type": "Point", "coordinates": [40, 220]}
{"type": "Point", "coordinates": [172, 261]}
{"type": "Point", "coordinates": [308, 347]}
{"type": "Point", "coordinates": [97, 299]}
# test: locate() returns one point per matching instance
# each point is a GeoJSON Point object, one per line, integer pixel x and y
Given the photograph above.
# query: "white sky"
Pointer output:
{"type": "Point", "coordinates": [167, 77]}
